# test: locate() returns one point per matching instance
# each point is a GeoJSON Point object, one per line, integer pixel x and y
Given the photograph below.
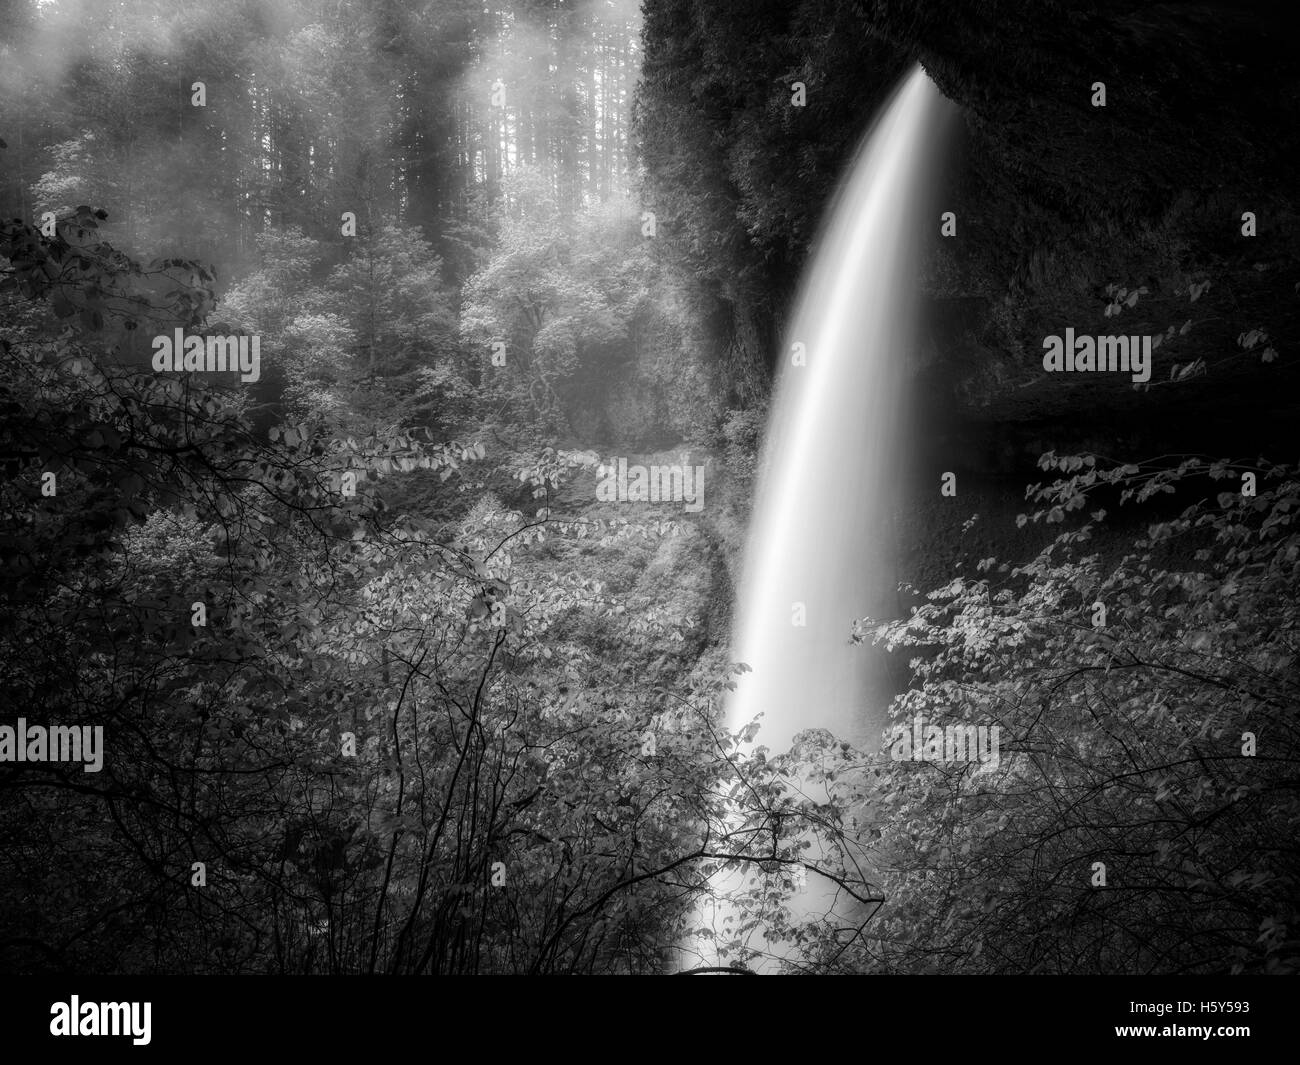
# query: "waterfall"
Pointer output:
{"type": "Point", "coordinates": [821, 539]}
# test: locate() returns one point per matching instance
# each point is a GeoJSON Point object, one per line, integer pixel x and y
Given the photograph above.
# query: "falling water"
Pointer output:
{"type": "Point", "coordinates": [821, 537]}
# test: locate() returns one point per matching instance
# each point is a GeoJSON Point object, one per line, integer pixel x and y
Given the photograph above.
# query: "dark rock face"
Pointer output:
{"type": "Point", "coordinates": [1061, 199]}
{"type": "Point", "coordinates": [1108, 220]}
{"type": "Point", "coordinates": [1200, 96]}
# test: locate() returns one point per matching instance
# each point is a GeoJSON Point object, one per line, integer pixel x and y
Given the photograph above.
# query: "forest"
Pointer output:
{"type": "Point", "coordinates": [388, 671]}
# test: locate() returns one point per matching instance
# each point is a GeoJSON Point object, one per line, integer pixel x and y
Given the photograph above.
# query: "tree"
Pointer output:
{"type": "Point", "coordinates": [1144, 704]}
{"type": "Point", "coordinates": [338, 738]}
{"type": "Point", "coordinates": [562, 295]}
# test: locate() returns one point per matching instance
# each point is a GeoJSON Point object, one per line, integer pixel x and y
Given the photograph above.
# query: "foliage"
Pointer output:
{"type": "Point", "coordinates": [1124, 741]}
{"type": "Point", "coordinates": [500, 811]}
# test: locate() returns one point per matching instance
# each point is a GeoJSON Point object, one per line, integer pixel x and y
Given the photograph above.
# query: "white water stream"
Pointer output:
{"type": "Point", "coordinates": [821, 541]}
